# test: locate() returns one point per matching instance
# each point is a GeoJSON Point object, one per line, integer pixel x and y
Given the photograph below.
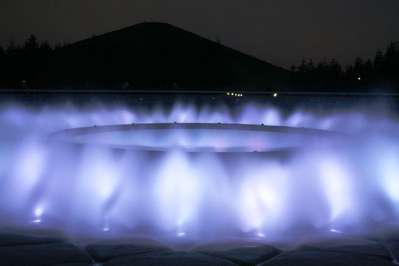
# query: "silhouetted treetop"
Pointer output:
{"type": "Point", "coordinates": [383, 69]}
{"type": "Point", "coordinates": [158, 55]}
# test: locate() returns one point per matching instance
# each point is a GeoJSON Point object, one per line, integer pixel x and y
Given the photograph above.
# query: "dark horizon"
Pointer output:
{"type": "Point", "coordinates": [305, 59]}
{"type": "Point", "coordinates": [139, 57]}
{"type": "Point", "coordinates": [281, 33]}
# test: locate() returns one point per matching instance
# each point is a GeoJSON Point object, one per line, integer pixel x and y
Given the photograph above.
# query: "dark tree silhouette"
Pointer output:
{"type": "Point", "coordinates": [31, 43]}
{"type": "Point", "coordinates": [12, 48]}
{"type": "Point", "coordinates": [335, 69]}
{"type": "Point", "coordinates": [382, 71]}
{"type": "Point", "coordinates": [2, 63]}
{"type": "Point", "coordinates": [378, 62]}
{"type": "Point", "coordinates": [391, 64]}
{"type": "Point", "coordinates": [20, 65]}
{"type": "Point", "coordinates": [26, 63]}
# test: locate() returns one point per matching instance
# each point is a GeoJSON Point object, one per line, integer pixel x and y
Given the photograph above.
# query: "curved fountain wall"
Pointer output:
{"type": "Point", "coordinates": [96, 189]}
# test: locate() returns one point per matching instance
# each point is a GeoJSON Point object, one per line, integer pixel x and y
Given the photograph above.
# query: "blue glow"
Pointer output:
{"type": "Point", "coordinates": [202, 184]}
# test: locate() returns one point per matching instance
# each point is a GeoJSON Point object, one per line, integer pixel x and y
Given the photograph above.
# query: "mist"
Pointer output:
{"type": "Point", "coordinates": [322, 173]}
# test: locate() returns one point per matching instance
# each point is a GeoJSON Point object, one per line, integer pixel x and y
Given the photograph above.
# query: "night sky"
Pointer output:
{"type": "Point", "coordinates": [279, 31]}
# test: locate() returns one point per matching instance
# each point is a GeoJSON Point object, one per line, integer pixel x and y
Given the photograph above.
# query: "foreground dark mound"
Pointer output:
{"type": "Point", "coordinates": [158, 55]}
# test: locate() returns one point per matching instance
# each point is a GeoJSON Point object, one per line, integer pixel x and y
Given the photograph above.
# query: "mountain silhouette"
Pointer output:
{"type": "Point", "coordinates": [158, 55]}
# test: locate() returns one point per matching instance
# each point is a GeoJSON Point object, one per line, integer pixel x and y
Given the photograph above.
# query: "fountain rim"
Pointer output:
{"type": "Point", "coordinates": [63, 135]}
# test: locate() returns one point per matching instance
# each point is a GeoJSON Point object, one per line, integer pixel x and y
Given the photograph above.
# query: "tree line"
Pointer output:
{"type": "Point", "coordinates": [382, 71]}
{"type": "Point", "coordinates": [22, 65]}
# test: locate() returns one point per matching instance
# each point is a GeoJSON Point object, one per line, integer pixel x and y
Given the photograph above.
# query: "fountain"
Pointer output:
{"type": "Point", "coordinates": [198, 174]}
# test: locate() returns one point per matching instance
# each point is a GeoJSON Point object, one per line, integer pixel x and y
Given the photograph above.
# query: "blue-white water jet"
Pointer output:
{"type": "Point", "coordinates": [197, 173]}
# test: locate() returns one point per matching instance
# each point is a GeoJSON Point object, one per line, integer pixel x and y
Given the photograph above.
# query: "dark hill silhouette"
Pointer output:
{"type": "Point", "coordinates": [158, 55]}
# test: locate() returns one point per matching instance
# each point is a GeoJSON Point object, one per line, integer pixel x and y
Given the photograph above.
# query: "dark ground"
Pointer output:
{"type": "Point", "coordinates": [21, 250]}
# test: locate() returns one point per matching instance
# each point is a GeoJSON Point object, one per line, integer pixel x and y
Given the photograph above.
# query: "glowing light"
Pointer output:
{"type": "Point", "coordinates": [178, 191]}
{"type": "Point", "coordinates": [275, 95]}
{"type": "Point", "coordinates": [338, 187]}
{"type": "Point", "coordinates": [388, 163]}
{"type": "Point", "coordinates": [38, 212]}
{"type": "Point", "coordinates": [99, 174]}
{"type": "Point", "coordinates": [200, 180]}
{"type": "Point", "coordinates": [262, 196]}
{"type": "Point", "coordinates": [31, 164]}
{"type": "Point", "coordinates": [181, 234]}
{"type": "Point", "coordinates": [260, 234]}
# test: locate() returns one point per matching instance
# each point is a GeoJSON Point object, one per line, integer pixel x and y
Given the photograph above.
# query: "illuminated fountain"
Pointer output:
{"type": "Point", "coordinates": [198, 174]}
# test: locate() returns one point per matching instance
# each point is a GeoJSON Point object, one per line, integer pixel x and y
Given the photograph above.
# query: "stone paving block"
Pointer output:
{"type": "Point", "coordinates": [16, 239]}
{"type": "Point", "coordinates": [42, 255]}
{"type": "Point", "coordinates": [351, 246]}
{"type": "Point", "coordinates": [104, 252]}
{"type": "Point", "coordinates": [246, 255]}
{"type": "Point", "coordinates": [173, 258]}
{"type": "Point", "coordinates": [325, 258]}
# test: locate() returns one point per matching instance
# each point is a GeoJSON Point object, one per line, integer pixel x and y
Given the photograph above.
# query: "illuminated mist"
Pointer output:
{"type": "Point", "coordinates": [199, 184]}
